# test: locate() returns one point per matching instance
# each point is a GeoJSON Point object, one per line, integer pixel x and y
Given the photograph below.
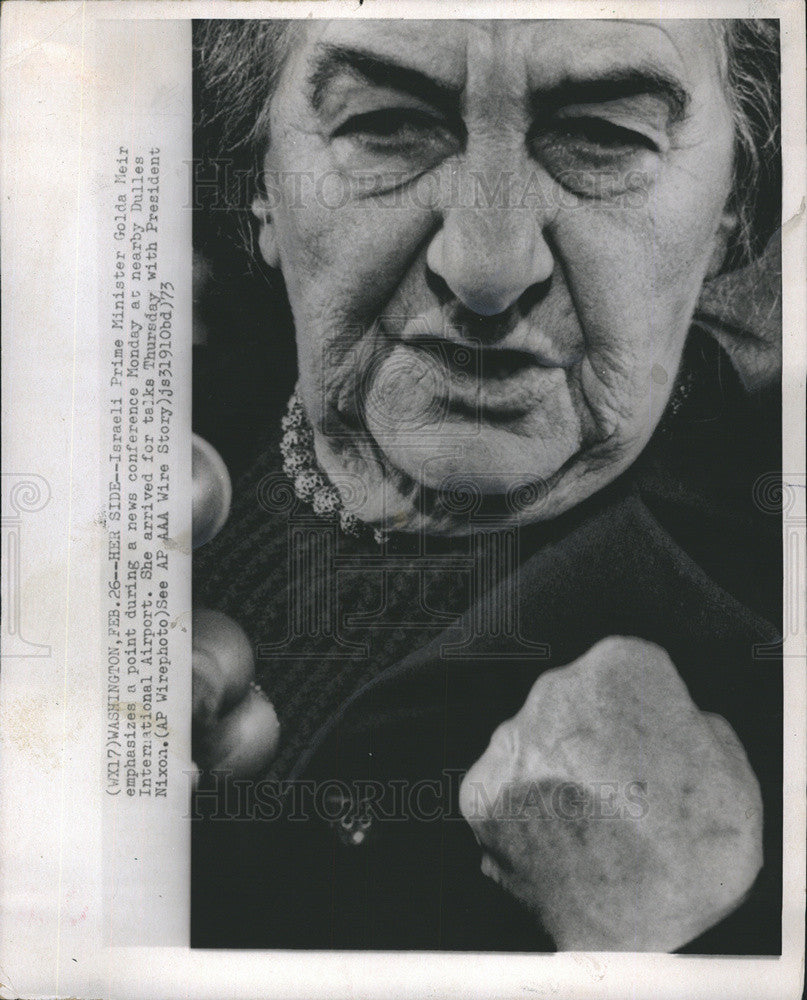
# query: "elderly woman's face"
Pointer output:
{"type": "Point", "coordinates": [493, 235]}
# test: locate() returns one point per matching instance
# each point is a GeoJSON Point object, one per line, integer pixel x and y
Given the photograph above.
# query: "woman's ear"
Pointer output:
{"type": "Point", "coordinates": [725, 230]}
{"type": "Point", "coordinates": [267, 239]}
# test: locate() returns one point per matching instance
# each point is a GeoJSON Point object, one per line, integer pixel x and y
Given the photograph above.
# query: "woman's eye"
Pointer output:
{"type": "Point", "coordinates": [593, 155]}
{"type": "Point", "coordinates": [406, 141]}
{"type": "Point", "coordinates": [390, 126]}
{"type": "Point", "coordinates": [603, 134]}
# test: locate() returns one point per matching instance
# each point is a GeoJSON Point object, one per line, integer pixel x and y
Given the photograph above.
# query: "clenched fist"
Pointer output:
{"type": "Point", "coordinates": [623, 816]}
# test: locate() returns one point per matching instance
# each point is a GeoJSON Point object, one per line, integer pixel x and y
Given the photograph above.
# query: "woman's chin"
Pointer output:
{"type": "Point", "coordinates": [491, 460]}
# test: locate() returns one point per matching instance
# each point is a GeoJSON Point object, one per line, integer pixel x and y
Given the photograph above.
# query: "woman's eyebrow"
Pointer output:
{"type": "Point", "coordinates": [615, 85]}
{"type": "Point", "coordinates": [332, 60]}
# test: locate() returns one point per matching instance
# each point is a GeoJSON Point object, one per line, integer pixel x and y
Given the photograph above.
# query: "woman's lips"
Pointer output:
{"type": "Point", "coordinates": [489, 381]}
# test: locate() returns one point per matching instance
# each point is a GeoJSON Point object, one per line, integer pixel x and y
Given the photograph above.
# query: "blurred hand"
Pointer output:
{"type": "Point", "coordinates": [235, 728]}
{"type": "Point", "coordinates": [623, 816]}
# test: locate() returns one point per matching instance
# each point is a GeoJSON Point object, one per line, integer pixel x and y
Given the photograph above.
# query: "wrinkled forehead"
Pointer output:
{"type": "Point", "coordinates": [514, 55]}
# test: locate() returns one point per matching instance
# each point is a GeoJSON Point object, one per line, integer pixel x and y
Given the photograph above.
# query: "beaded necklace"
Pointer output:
{"type": "Point", "coordinates": [311, 485]}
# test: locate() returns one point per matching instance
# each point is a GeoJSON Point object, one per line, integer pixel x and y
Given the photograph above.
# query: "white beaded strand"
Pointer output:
{"type": "Point", "coordinates": [310, 484]}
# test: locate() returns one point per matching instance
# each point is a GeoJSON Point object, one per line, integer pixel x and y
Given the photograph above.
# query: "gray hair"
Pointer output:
{"type": "Point", "coordinates": [752, 80]}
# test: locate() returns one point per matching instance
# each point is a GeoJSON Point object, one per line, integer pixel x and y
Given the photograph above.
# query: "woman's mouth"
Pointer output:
{"type": "Point", "coordinates": [475, 380]}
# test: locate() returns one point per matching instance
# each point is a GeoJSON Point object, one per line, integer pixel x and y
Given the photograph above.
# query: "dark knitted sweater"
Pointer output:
{"type": "Point", "coordinates": [324, 611]}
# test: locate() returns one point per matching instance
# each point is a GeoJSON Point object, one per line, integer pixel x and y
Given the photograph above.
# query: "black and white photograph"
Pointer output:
{"type": "Point", "coordinates": [487, 644]}
{"type": "Point", "coordinates": [403, 499]}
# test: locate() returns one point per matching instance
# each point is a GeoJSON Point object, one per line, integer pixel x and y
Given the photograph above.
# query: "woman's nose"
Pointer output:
{"type": "Point", "coordinates": [489, 256]}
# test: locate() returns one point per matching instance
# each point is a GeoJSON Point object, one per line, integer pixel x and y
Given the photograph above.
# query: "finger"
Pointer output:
{"type": "Point", "coordinates": [212, 492]}
{"type": "Point", "coordinates": [207, 689]}
{"type": "Point", "coordinates": [244, 742]}
{"type": "Point", "coordinates": [725, 735]}
{"type": "Point", "coordinates": [222, 659]}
